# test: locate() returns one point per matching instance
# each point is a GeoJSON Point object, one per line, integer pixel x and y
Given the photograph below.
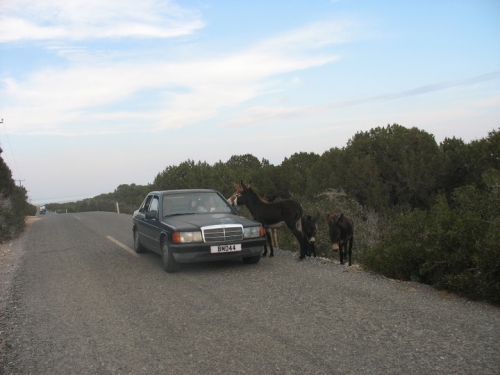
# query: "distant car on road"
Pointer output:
{"type": "Point", "coordinates": [195, 225]}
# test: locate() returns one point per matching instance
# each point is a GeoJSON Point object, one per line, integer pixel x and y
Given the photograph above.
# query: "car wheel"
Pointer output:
{"type": "Point", "coordinates": [251, 260]}
{"type": "Point", "coordinates": [137, 243]}
{"type": "Point", "coordinates": [169, 263]}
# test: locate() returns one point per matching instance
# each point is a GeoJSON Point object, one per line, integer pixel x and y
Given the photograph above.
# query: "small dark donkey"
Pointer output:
{"type": "Point", "coordinates": [341, 234]}
{"type": "Point", "coordinates": [271, 215]}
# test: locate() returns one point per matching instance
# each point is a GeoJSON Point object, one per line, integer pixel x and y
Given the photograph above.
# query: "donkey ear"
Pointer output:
{"type": "Point", "coordinates": [237, 186]}
{"type": "Point", "coordinates": [341, 218]}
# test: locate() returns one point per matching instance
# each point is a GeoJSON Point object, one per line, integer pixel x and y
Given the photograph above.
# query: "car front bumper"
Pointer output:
{"type": "Point", "coordinates": [201, 253]}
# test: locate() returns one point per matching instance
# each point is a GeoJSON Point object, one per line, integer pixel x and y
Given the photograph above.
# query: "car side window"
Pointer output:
{"type": "Point", "coordinates": [154, 204]}
{"type": "Point", "coordinates": [145, 206]}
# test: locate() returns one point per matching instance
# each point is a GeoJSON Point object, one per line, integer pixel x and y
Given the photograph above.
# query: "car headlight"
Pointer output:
{"type": "Point", "coordinates": [186, 237]}
{"type": "Point", "coordinates": [253, 232]}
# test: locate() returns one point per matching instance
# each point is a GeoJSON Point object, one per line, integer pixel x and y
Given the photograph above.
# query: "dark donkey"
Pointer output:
{"type": "Point", "coordinates": [341, 234]}
{"type": "Point", "coordinates": [271, 215]}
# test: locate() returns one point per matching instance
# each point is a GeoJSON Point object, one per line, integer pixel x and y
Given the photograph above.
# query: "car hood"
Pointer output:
{"type": "Point", "coordinates": [196, 221]}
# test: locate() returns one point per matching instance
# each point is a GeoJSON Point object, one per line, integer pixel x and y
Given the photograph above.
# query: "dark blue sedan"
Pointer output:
{"type": "Point", "coordinates": [195, 225]}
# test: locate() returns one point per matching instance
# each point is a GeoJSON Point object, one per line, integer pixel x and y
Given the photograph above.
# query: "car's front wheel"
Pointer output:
{"type": "Point", "coordinates": [137, 243]}
{"type": "Point", "coordinates": [169, 263]}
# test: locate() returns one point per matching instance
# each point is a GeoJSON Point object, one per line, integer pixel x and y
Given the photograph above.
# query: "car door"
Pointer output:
{"type": "Point", "coordinates": [143, 224]}
{"type": "Point", "coordinates": [151, 230]}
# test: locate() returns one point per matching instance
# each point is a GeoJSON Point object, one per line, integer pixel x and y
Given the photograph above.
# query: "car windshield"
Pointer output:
{"type": "Point", "coordinates": [190, 203]}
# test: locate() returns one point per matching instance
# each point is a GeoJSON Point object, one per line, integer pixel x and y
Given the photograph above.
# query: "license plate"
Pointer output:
{"type": "Point", "coordinates": [225, 248]}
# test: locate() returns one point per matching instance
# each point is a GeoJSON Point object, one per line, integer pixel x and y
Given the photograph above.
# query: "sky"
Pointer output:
{"type": "Point", "coordinates": [99, 93]}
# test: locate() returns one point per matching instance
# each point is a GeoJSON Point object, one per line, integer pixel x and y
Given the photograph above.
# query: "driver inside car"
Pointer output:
{"type": "Point", "coordinates": [207, 206]}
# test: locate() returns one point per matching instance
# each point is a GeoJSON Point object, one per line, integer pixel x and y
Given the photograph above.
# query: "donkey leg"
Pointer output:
{"type": "Point", "coordinates": [270, 240]}
{"type": "Point", "coordinates": [350, 250]}
{"type": "Point", "coordinates": [265, 247]}
{"type": "Point", "coordinates": [304, 247]}
{"type": "Point", "coordinates": [300, 237]}
{"type": "Point", "coordinates": [265, 250]}
{"type": "Point", "coordinates": [341, 254]}
{"type": "Point", "coordinates": [302, 243]}
{"type": "Point", "coordinates": [274, 236]}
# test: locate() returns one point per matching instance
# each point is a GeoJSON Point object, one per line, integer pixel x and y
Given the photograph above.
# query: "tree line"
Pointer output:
{"type": "Point", "coordinates": [385, 168]}
{"type": "Point", "coordinates": [423, 211]}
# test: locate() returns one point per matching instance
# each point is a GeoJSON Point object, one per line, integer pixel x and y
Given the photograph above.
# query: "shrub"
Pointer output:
{"type": "Point", "coordinates": [454, 246]}
{"type": "Point", "coordinates": [13, 208]}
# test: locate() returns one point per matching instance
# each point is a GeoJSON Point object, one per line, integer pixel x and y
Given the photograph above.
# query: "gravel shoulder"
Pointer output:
{"type": "Point", "coordinates": [10, 255]}
{"type": "Point", "coordinates": [10, 258]}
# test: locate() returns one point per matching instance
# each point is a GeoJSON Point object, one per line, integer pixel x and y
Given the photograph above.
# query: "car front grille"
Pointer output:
{"type": "Point", "coordinates": [222, 233]}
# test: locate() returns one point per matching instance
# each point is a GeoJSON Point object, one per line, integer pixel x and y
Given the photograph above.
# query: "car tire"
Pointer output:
{"type": "Point", "coordinates": [169, 263]}
{"type": "Point", "coordinates": [138, 248]}
{"type": "Point", "coordinates": [251, 260]}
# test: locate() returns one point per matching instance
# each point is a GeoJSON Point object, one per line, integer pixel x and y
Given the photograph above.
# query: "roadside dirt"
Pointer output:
{"type": "Point", "coordinates": [9, 258]}
{"type": "Point", "coordinates": [10, 255]}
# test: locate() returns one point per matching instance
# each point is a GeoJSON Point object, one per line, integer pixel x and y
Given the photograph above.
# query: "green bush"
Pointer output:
{"type": "Point", "coordinates": [13, 209]}
{"type": "Point", "coordinates": [454, 245]}
{"type": "Point", "coordinates": [400, 252]}
{"type": "Point", "coordinates": [29, 210]}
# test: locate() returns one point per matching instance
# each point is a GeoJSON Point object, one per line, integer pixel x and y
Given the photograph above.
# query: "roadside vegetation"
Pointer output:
{"type": "Point", "coordinates": [14, 206]}
{"type": "Point", "coordinates": [422, 211]}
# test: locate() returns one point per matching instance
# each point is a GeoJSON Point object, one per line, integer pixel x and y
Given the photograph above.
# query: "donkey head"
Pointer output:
{"type": "Point", "coordinates": [244, 195]}
{"type": "Point", "coordinates": [309, 227]}
{"type": "Point", "coordinates": [236, 199]}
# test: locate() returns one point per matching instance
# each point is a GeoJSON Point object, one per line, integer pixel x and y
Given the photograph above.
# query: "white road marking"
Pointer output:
{"type": "Point", "coordinates": [125, 247]}
{"type": "Point", "coordinates": [76, 217]}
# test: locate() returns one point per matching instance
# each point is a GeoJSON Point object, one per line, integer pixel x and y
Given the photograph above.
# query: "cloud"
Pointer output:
{"type": "Point", "coordinates": [313, 36]}
{"type": "Point", "coordinates": [94, 19]}
{"type": "Point", "coordinates": [89, 95]}
{"type": "Point", "coordinates": [14, 28]}
{"type": "Point", "coordinates": [440, 86]}
{"type": "Point", "coordinates": [261, 114]}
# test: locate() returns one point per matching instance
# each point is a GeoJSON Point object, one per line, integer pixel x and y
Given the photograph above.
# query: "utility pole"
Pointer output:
{"type": "Point", "coordinates": [20, 182]}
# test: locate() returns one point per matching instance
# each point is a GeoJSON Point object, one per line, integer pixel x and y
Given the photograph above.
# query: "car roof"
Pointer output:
{"type": "Point", "coordinates": [183, 191]}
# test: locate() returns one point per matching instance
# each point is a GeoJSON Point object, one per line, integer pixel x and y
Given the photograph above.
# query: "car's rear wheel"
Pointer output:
{"type": "Point", "coordinates": [251, 260]}
{"type": "Point", "coordinates": [137, 243]}
{"type": "Point", "coordinates": [169, 263]}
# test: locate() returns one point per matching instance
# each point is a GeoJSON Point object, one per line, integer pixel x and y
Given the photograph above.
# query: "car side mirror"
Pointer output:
{"type": "Point", "coordinates": [152, 215]}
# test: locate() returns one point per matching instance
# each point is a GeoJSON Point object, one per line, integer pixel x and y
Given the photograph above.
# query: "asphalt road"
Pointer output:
{"type": "Point", "coordinates": [79, 302]}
